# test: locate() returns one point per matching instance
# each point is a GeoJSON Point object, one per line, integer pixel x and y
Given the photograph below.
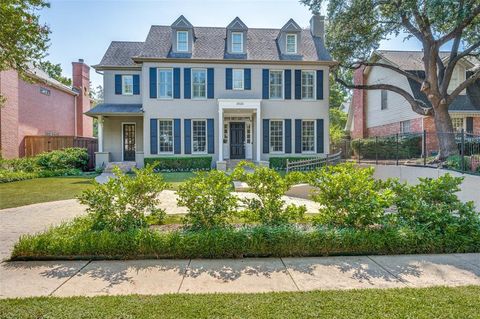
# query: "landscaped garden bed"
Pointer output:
{"type": "Point", "coordinates": [358, 216]}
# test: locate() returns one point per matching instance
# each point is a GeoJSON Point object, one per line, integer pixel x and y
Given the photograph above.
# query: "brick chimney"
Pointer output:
{"type": "Point", "coordinates": [358, 104]}
{"type": "Point", "coordinates": [81, 81]}
{"type": "Point", "coordinates": [317, 26]}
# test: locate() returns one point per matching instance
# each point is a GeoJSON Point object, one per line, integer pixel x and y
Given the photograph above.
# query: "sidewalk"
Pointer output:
{"type": "Point", "coordinates": [91, 278]}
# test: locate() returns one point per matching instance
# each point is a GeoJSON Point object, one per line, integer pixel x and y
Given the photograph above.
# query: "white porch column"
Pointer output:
{"type": "Point", "coordinates": [220, 133]}
{"type": "Point", "coordinates": [259, 135]}
{"type": "Point", "coordinates": [100, 133]}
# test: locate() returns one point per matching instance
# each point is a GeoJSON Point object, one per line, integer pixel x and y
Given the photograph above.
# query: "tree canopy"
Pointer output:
{"type": "Point", "coordinates": [55, 71]}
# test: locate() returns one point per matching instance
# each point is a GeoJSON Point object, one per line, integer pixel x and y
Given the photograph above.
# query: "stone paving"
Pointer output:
{"type": "Point", "coordinates": [249, 275]}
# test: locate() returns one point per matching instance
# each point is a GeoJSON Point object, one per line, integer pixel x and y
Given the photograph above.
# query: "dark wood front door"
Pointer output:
{"type": "Point", "coordinates": [237, 140]}
{"type": "Point", "coordinates": [129, 142]}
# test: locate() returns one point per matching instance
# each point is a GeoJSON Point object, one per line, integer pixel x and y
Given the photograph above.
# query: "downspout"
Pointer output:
{"type": "Point", "coordinates": [75, 114]}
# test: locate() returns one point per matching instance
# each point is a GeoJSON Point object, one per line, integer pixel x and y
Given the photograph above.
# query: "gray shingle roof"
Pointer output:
{"type": "Point", "coordinates": [210, 44]}
{"type": "Point", "coordinates": [108, 108]}
{"type": "Point", "coordinates": [120, 53]}
{"type": "Point", "coordinates": [412, 60]}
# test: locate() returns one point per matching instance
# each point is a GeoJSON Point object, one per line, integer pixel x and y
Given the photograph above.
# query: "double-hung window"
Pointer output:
{"type": "Point", "coordinates": [165, 136]}
{"type": "Point", "coordinates": [308, 136]}
{"type": "Point", "coordinates": [291, 43]}
{"type": "Point", "coordinates": [199, 136]}
{"type": "Point", "coordinates": [276, 84]}
{"type": "Point", "coordinates": [237, 42]}
{"type": "Point", "coordinates": [276, 136]}
{"type": "Point", "coordinates": [457, 123]}
{"type": "Point", "coordinates": [182, 41]}
{"type": "Point", "coordinates": [308, 85]}
{"type": "Point", "coordinates": [127, 84]}
{"type": "Point", "coordinates": [238, 80]}
{"type": "Point", "coordinates": [165, 83]}
{"type": "Point", "coordinates": [199, 83]}
{"type": "Point", "coordinates": [405, 126]}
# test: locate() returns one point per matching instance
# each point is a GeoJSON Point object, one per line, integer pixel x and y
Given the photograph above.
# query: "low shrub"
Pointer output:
{"type": "Point", "coordinates": [23, 164]}
{"type": "Point", "coordinates": [76, 239]}
{"type": "Point", "coordinates": [180, 164]}
{"type": "Point", "coordinates": [349, 196]}
{"type": "Point", "coordinates": [268, 207]}
{"type": "Point", "coordinates": [455, 162]}
{"type": "Point", "coordinates": [209, 200]}
{"type": "Point", "coordinates": [9, 176]}
{"type": "Point", "coordinates": [409, 146]}
{"type": "Point", "coordinates": [280, 163]}
{"type": "Point", "coordinates": [67, 158]}
{"type": "Point", "coordinates": [123, 203]}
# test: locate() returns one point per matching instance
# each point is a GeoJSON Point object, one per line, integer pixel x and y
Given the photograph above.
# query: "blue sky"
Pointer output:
{"type": "Point", "coordinates": [84, 29]}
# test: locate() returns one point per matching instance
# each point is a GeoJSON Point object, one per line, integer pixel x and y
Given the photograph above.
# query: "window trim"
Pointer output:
{"type": "Point", "coordinates": [242, 71]}
{"type": "Point", "coordinates": [206, 136]}
{"type": "Point", "coordinates": [158, 137]}
{"type": "Point", "coordinates": [314, 89]}
{"type": "Point", "coordinates": [158, 83]}
{"type": "Point", "coordinates": [402, 131]}
{"type": "Point", "coordinates": [124, 76]}
{"type": "Point", "coordinates": [206, 84]}
{"type": "Point", "coordinates": [314, 137]}
{"type": "Point", "coordinates": [464, 122]}
{"type": "Point", "coordinates": [241, 42]}
{"type": "Point", "coordinates": [286, 43]}
{"type": "Point", "coordinates": [123, 141]}
{"type": "Point", "coordinates": [383, 107]}
{"type": "Point", "coordinates": [269, 85]}
{"type": "Point", "coordinates": [178, 33]}
{"type": "Point", "coordinates": [270, 136]}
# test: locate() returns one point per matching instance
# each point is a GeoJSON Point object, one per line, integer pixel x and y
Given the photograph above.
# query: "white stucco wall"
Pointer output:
{"type": "Point", "coordinates": [112, 128]}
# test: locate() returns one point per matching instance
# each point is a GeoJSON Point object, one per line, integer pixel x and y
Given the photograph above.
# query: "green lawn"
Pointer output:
{"type": "Point", "coordinates": [440, 302]}
{"type": "Point", "coordinates": [176, 178]}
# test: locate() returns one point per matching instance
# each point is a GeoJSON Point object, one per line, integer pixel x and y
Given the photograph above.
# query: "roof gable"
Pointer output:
{"type": "Point", "coordinates": [291, 26]}
{"type": "Point", "coordinates": [182, 23]}
{"type": "Point", "coordinates": [237, 25]}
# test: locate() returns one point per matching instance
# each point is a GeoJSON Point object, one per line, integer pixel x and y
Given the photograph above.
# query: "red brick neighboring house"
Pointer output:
{"type": "Point", "coordinates": [376, 113]}
{"type": "Point", "coordinates": [44, 107]}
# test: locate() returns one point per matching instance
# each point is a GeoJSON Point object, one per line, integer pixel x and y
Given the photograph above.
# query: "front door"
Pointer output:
{"type": "Point", "coordinates": [237, 140]}
{"type": "Point", "coordinates": [129, 142]}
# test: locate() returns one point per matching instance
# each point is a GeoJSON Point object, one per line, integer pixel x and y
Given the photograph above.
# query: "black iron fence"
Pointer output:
{"type": "Point", "coordinates": [420, 149]}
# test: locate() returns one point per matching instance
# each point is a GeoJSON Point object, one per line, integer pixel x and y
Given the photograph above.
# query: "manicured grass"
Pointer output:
{"type": "Point", "coordinates": [438, 302]}
{"type": "Point", "coordinates": [41, 190]}
{"type": "Point", "coordinates": [176, 178]}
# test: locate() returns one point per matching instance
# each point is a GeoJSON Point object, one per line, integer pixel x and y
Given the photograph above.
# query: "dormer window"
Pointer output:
{"type": "Point", "coordinates": [237, 42]}
{"type": "Point", "coordinates": [182, 41]}
{"type": "Point", "coordinates": [291, 43]}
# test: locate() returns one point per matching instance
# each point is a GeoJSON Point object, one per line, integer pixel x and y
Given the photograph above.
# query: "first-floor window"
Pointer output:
{"type": "Point", "coordinates": [276, 136]}
{"type": "Point", "coordinates": [457, 123]}
{"type": "Point", "coordinates": [308, 136]}
{"type": "Point", "coordinates": [165, 136]}
{"type": "Point", "coordinates": [199, 136]}
{"type": "Point", "coordinates": [405, 127]}
{"type": "Point", "coordinates": [127, 84]}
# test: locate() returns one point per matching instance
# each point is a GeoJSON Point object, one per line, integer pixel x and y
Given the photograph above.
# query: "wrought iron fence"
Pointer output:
{"type": "Point", "coordinates": [420, 149]}
{"type": "Point", "coordinates": [313, 163]}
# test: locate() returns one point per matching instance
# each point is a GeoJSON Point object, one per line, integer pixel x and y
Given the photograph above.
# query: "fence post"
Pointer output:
{"type": "Point", "coordinates": [359, 151]}
{"type": "Point", "coordinates": [286, 170]}
{"type": "Point", "coordinates": [376, 150]}
{"type": "Point", "coordinates": [463, 150]}
{"type": "Point", "coordinates": [397, 149]}
{"type": "Point", "coordinates": [424, 147]}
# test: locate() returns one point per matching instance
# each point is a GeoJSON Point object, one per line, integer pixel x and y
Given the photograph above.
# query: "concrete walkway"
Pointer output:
{"type": "Point", "coordinates": [92, 278]}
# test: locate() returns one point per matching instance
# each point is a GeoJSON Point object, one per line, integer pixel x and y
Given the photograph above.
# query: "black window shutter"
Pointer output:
{"type": "Point", "coordinates": [228, 79]}
{"type": "Point", "coordinates": [187, 83]}
{"type": "Point", "coordinates": [210, 136]}
{"type": "Point", "coordinates": [298, 136]}
{"type": "Point", "coordinates": [118, 84]}
{"type": "Point", "coordinates": [247, 74]}
{"type": "Point", "coordinates": [265, 84]}
{"type": "Point", "coordinates": [319, 84]}
{"type": "Point", "coordinates": [153, 136]}
{"type": "Point", "coordinates": [187, 123]}
{"type": "Point", "coordinates": [320, 136]}
{"type": "Point", "coordinates": [177, 143]}
{"type": "Point", "coordinates": [469, 124]}
{"type": "Point", "coordinates": [288, 84]}
{"type": "Point", "coordinates": [266, 136]}
{"type": "Point", "coordinates": [298, 84]}
{"type": "Point", "coordinates": [210, 83]}
{"type": "Point", "coordinates": [136, 84]}
{"type": "Point", "coordinates": [288, 136]}
{"type": "Point", "coordinates": [153, 83]}
{"type": "Point", "coordinates": [176, 83]}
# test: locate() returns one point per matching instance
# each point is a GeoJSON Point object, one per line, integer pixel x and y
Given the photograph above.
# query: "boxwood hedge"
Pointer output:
{"type": "Point", "coordinates": [180, 164]}
{"type": "Point", "coordinates": [409, 146]}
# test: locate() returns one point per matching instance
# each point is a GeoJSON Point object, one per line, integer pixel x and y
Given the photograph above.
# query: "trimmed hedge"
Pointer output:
{"type": "Point", "coordinates": [280, 163]}
{"type": "Point", "coordinates": [409, 146]}
{"type": "Point", "coordinates": [180, 164]}
{"type": "Point", "coordinates": [76, 240]}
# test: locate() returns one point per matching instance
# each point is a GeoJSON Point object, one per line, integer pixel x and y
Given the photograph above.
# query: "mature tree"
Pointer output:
{"type": "Point", "coordinates": [356, 28]}
{"type": "Point", "coordinates": [338, 117]}
{"type": "Point", "coordinates": [55, 71]}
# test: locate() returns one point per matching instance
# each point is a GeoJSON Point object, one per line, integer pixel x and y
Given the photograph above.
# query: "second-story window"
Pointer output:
{"type": "Point", "coordinates": [384, 99]}
{"type": "Point", "coordinates": [238, 81]}
{"type": "Point", "coordinates": [237, 42]}
{"type": "Point", "coordinates": [165, 83]}
{"type": "Point", "coordinates": [276, 84]}
{"type": "Point", "coordinates": [199, 83]}
{"type": "Point", "coordinates": [182, 41]}
{"type": "Point", "coordinates": [291, 43]}
{"type": "Point", "coordinates": [308, 84]}
{"type": "Point", "coordinates": [127, 84]}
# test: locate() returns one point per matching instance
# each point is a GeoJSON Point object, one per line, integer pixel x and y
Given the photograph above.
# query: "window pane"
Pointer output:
{"type": "Point", "coordinates": [457, 123]}
{"type": "Point", "coordinates": [238, 79]}
{"type": "Point", "coordinates": [182, 41]}
{"type": "Point", "coordinates": [276, 136]}
{"type": "Point", "coordinates": [276, 84]}
{"type": "Point", "coordinates": [199, 134]}
{"type": "Point", "coordinates": [165, 136]}
{"type": "Point", "coordinates": [237, 42]}
{"type": "Point", "coordinates": [291, 43]}
{"type": "Point", "coordinates": [127, 86]}
{"type": "Point", "coordinates": [308, 79]}
{"type": "Point", "coordinates": [165, 81]}
{"type": "Point", "coordinates": [308, 136]}
{"type": "Point", "coordinates": [199, 83]}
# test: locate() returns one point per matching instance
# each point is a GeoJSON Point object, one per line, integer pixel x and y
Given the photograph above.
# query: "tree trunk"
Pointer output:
{"type": "Point", "coordinates": [444, 128]}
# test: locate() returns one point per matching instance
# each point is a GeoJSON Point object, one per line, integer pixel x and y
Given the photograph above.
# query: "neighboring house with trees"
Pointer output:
{"type": "Point", "coordinates": [230, 93]}
{"type": "Point", "coordinates": [42, 106]}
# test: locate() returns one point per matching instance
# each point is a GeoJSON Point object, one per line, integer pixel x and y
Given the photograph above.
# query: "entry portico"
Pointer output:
{"type": "Point", "coordinates": [239, 121]}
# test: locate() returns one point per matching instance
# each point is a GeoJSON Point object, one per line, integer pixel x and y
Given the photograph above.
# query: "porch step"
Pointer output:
{"type": "Point", "coordinates": [124, 166]}
{"type": "Point", "coordinates": [231, 164]}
